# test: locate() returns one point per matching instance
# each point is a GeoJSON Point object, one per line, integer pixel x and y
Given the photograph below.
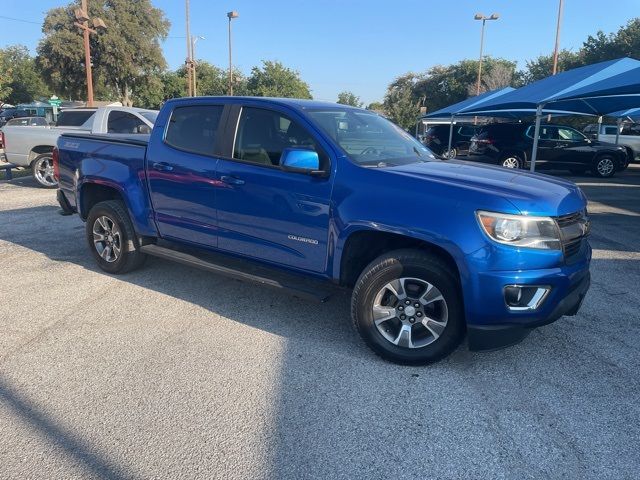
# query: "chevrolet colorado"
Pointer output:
{"type": "Point", "coordinates": [312, 196]}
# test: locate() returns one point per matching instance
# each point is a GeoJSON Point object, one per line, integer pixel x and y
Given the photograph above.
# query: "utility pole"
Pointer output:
{"type": "Point", "coordinates": [555, 51]}
{"type": "Point", "coordinates": [82, 15]}
{"type": "Point", "coordinates": [194, 40]}
{"type": "Point", "coordinates": [189, 61]}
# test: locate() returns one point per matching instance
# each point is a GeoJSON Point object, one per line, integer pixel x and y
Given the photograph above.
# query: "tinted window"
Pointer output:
{"type": "Point", "coordinates": [28, 121]}
{"type": "Point", "coordinates": [194, 128]}
{"type": "Point", "coordinates": [263, 135]}
{"type": "Point", "coordinates": [70, 118]}
{"type": "Point", "coordinates": [610, 130]}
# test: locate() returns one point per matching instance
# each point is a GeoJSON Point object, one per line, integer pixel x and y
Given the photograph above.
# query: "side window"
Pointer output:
{"type": "Point", "coordinates": [467, 131]}
{"type": "Point", "coordinates": [570, 134]}
{"type": "Point", "coordinates": [263, 134]}
{"type": "Point", "coordinates": [610, 130]}
{"type": "Point", "coordinates": [125, 122]}
{"type": "Point", "coordinates": [194, 128]}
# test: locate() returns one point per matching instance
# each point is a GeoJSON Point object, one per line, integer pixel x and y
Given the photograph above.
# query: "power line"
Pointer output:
{"type": "Point", "coordinates": [20, 20]}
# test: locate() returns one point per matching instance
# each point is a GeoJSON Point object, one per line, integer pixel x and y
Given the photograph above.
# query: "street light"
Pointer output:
{"type": "Point", "coordinates": [82, 15]}
{"type": "Point", "coordinates": [480, 16]}
{"type": "Point", "coordinates": [194, 40]}
{"type": "Point", "coordinates": [231, 15]}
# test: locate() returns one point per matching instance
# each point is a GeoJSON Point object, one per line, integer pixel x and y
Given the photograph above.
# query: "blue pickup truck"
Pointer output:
{"type": "Point", "coordinates": [313, 197]}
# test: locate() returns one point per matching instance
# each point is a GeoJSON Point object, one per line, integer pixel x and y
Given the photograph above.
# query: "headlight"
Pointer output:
{"type": "Point", "coordinates": [521, 230]}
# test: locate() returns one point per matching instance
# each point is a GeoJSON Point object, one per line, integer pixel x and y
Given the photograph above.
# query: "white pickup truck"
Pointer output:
{"type": "Point", "coordinates": [629, 137]}
{"type": "Point", "coordinates": [27, 146]}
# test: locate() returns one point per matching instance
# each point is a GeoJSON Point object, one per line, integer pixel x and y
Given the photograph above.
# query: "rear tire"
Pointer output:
{"type": "Point", "coordinates": [450, 154]}
{"type": "Point", "coordinates": [112, 239]}
{"type": "Point", "coordinates": [428, 296]}
{"type": "Point", "coordinates": [604, 166]}
{"type": "Point", "coordinates": [42, 170]}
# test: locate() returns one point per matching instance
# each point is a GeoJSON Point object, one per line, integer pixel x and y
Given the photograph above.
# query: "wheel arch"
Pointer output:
{"type": "Point", "coordinates": [39, 150]}
{"type": "Point", "coordinates": [92, 193]}
{"type": "Point", "coordinates": [363, 245]}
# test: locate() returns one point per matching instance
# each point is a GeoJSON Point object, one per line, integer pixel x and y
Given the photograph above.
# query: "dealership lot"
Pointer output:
{"type": "Point", "coordinates": [170, 372]}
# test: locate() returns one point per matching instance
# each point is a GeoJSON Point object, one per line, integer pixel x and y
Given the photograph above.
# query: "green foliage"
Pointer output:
{"type": "Point", "coordinates": [5, 78]}
{"type": "Point", "coordinates": [376, 106]}
{"type": "Point", "coordinates": [401, 103]}
{"type": "Point", "coordinates": [349, 98]}
{"type": "Point", "coordinates": [21, 80]}
{"type": "Point", "coordinates": [542, 66]}
{"type": "Point", "coordinates": [273, 79]}
{"type": "Point", "coordinates": [127, 57]}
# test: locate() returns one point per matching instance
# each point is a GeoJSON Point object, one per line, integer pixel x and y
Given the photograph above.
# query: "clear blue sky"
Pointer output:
{"type": "Point", "coordinates": [357, 45]}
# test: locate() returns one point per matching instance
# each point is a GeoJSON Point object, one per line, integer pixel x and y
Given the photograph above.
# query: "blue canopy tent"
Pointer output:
{"type": "Point", "coordinates": [597, 89]}
{"type": "Point", "coordinates": [452, 110]}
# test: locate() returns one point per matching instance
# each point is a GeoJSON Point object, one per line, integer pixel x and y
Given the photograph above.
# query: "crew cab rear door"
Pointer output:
{"type": "Point", "coordinates": [266, 212]}
{"type": "Point", "coordinates": [181, 172]}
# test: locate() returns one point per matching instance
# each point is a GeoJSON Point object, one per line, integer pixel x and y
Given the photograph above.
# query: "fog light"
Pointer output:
{"type": "Point", "coordinates": [525, 297]}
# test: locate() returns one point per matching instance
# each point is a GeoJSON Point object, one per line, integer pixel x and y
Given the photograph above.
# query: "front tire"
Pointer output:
{"type": "Point", "coordinates": [604, 167]}
{"type": "Point", "coordinates": [407, 307]}
{"type": "Point", "coordinates": [511, 161]}
{"type": "Point", "coordinates": [42, 170]}
{"type": "Point", "coordinates": [450, 154]}
{"type": "Point", "coordinates": [112, 239]}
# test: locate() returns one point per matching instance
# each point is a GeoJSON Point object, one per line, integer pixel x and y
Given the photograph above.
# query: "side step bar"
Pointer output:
{"type": "Point", "coordinates": [246, 271]}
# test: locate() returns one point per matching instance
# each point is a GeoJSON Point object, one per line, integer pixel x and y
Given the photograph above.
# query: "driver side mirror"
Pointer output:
{"type": "Point", "coordinates": [301, 160]}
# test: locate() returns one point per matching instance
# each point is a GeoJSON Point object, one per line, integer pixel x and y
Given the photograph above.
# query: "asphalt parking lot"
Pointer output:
{"type": "Point", "coordinates": [169, 372]}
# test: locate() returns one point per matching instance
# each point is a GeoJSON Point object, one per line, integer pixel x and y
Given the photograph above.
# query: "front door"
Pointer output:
{"type": "Point", "coordinates": [267, 213]}
{"type": "Point", "coordinates": [181, 170]}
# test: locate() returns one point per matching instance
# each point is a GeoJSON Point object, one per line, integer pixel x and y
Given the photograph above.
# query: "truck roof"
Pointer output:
{"type": "Point", "coordinates": [298, 103]}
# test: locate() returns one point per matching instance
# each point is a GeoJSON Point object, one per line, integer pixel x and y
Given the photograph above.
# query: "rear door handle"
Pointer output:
{"type": "Point", "coordinates": [230, 180]}
{"type": "Point", "coordinates": [162, 166]}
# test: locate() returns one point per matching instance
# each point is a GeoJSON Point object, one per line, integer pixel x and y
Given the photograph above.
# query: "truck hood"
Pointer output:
{"type": "Point", "coordinates": [530, 193]}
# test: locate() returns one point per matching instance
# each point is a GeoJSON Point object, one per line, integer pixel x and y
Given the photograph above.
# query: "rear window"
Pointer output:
{"type": "Point", "coordinates": [71, 118]}
{"type": "Point", "coordinates": [194, 128]}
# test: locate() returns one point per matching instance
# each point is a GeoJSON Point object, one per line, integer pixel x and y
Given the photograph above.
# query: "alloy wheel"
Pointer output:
{"type": "Point", "coordinates": [410, 312]}
{"type": "Point", "coordinates": [511, 162]}
{"type": "Point", "coordinates": [107, 239]}
{"type": "Point", "coordinates": [43, 171]}
{"type": "Point", "coordinates": [605, 166]}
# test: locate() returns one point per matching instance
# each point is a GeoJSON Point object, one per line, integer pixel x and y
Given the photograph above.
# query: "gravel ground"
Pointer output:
{"type": "Point", "coordinates": [170, 372]}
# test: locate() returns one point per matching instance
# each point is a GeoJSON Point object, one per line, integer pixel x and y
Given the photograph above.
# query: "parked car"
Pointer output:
{"type": "Point", "coordinates": [33, 146]}
{"type": "Point", "coordinates": [629, 137]}
{"type": "Point", "coordinates": [28, 122]}
{"type": "Point", "coordinates": [310, 196]}
{"type": "Point", "coordinates": [559, 148]}
{"type": "Point", "coordinates": [437, 139]}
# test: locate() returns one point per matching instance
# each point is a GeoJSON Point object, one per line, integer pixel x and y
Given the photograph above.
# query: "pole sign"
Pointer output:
{"type": "Point", "coordinates": [55, 103]}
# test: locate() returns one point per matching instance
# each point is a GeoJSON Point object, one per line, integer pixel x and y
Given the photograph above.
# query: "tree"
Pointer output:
{"type": "Point", "coordinates": [273, 79]}
{"type": "Point", "coordinates": [213, 80]}
{"type": "Point", "coordinates": [22, 78]}
{"type": "Point", "coordinates": [542, 66]}
{"type": "Point", "coordinates": [5, 78]}
{"type": "Point", "coordinates": [125, 57]}
{"type": "Point", "coordinates": [376, 106]}
{"type": "Point", "coordinates": [349, 98]}
{"type": "Point", "coordinates": [401, 103]}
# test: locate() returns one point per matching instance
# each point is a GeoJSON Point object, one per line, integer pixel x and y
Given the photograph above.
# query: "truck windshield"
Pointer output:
{"type": "Point", "coordinates": [369, 139]}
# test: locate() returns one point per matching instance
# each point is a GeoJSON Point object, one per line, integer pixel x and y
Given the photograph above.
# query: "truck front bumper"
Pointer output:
{"type": "Point", "coordinates": [495, 336]}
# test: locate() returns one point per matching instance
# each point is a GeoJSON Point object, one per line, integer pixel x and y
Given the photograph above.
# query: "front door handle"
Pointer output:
{"type": "Point", "coordinates": [162, 166]}
{"type": "Point", "coordinates": [230, 180]}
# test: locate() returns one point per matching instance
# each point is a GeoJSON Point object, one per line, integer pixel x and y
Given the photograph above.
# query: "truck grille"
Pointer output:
{"type": "Point", "coordinates": [574, 228]}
